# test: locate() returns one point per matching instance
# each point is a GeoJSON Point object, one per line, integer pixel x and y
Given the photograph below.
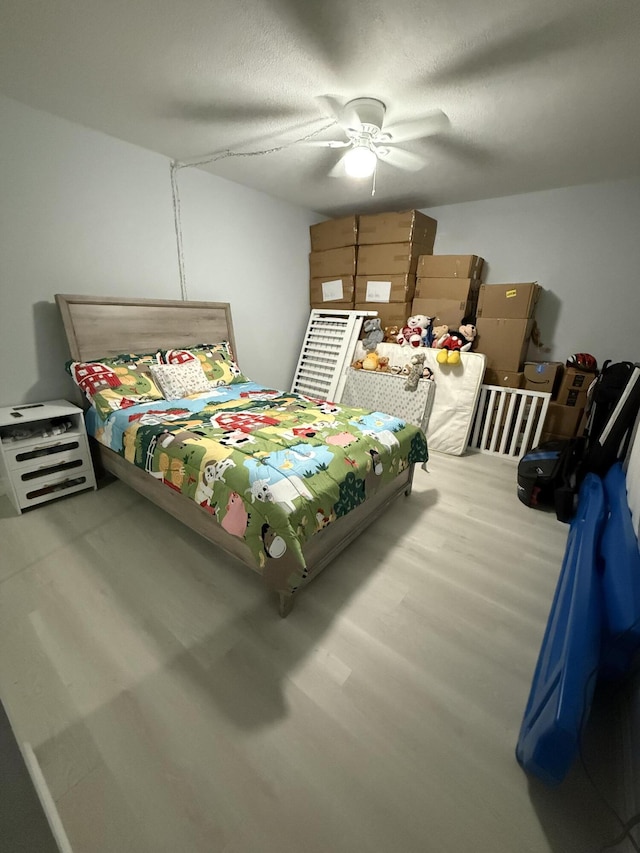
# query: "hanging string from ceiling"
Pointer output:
{"type": "Point", "coordinates": [175, 167]}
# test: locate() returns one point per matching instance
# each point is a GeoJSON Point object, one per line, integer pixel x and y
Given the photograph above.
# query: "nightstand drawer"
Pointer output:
{"type": "Point", "coordinates": [42, 489]}
{"type": "Point", "coordinates": [50, 468]}
{"type": "Point", "coordinates": [45, 452]}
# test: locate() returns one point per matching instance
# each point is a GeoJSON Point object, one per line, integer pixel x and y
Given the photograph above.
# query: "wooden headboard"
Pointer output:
{"type": "Point", "coordinates": [108, 325]}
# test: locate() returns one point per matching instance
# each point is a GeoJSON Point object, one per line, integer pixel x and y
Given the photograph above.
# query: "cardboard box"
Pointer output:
{"type": "Point", "coordinates": [407, 226]}
{"type": "Point", "coordinates": [449, 311]}
{"type": "Point", "coordinates": [574, 397]}
{"type": "Point", "coordinates": [393, 288]}
{"type": "Point", "coordinates": [504, 378]}
{"type": "Point", "coordinates": [543, 376]}
{"type": "Point", "coordinates": [333, 263]}
{"type": "Point", "coordinates": [450, 266]}
{"type": "Point", "coordinates": [390, 313]}
{"type": "Point", "coordinates": [462, 289]}
{"type": "Point", "coordinates": [503, 341]}
{"type": "Point", "coordinates": [509, 301]}
{"type": "Point", "coordinates": [389, 259]}
{"type": "Point", "coordinates": [336, 290]}
{"type": "Point", "coordinates": [334, 233]}
{"type": "Point", "coordinates": [562, 421]}
{"type": "Point", "coordinates": [575, 379]}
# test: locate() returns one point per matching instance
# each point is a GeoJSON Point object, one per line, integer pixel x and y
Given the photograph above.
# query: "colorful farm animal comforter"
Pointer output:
{"type": "Point", "coordinates": [271, 468]}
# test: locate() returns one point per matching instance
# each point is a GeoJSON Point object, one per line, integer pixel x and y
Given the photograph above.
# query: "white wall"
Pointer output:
{"type": "Point", "coordinates": [580, 243]}
{"type": "Point", "coordinates": [81, 212]}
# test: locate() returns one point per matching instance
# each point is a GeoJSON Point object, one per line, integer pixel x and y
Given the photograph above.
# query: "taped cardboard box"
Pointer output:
{"type": "Point", "coordinates": [576, 398]}
{"type": "Point", "coordinates": [503, 378]}
{"type": "Point", "coordinates": [543, 376]}
{"type": "Point", "coordinates": [462, 289]}
{"type": "Point", "coordinates": [390, 313]}
{"type": "Point", "coordinates": [503, 341]}
{"type": "Point", "coordinates": [384, 259]}
{"type": "Point", "coordinates": [408, 226]}
{"type": "Point", "coordinates": [575, 379]}
{"type": "Point", "coordinates": [449, 311]}
{"type": "Point", "coordinates": [334, 233]}
{"type": "Point", "coordinates": [393, 288]}
{"type": "Point", "coordinates": [562, 421]}
{"type": "Point", "coordinates": [508, 301]}
{"type": "Point", "coordinates": [333, 263]}
{"type": "Point", "coordinates": [332, 290]}
{"type": "Point", "coordinates": [450, 266]}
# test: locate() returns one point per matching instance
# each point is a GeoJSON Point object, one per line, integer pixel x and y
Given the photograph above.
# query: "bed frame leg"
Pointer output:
{"type": "Point", "coordinates": [407, 491]}
{"type": "Point", "coordinates": [285, 604]}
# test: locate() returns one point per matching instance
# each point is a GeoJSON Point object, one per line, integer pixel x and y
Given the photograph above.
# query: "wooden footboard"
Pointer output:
{"type": "Point", "coordinates": [318, 552]}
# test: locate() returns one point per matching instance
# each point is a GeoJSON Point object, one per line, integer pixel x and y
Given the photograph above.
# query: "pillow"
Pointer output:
{"type": "Point", "coordinates": [180, 380]}
{"type": "Point", "coordinates": [116, 382]}
{"type": "Point", "coordinates": [216, 360]}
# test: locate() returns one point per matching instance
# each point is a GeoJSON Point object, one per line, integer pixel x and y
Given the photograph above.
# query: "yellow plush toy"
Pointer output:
{"type": "Point", "coordinates": [370, 361]}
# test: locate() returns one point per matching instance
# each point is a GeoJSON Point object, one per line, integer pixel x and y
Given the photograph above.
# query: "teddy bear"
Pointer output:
{"type": "Point", "coordinates": [439, 332]}
{"type": "Point", "coordinates": [374, 334]}
{"type": "Point", "coordinates": [453, 343]}
{"type": "Point", "coordinates": [383, 363]}
{"type": "Point", "coordinates": [357, 364]}
{"type": "Point", "coordinates": [391, 334]}
{"type": "Point", "coordinates": [413, 333]}
{"type": "Point", "coordinates": [414, 371]}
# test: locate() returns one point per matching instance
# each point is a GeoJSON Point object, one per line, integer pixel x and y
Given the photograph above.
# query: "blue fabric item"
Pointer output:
{"type": "Point", "coordinates": [620, 579]}
{"type": "Point", "coordinates": [565, 674]}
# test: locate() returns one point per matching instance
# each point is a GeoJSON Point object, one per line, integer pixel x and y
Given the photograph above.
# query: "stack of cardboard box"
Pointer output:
{"type": "Point", "coordinates": [565, 413]}
{"type": "Point", "coordinates": [389, 245]}
{"type": "Point", "coordinates": [447, 287]}
{"type": "Point", "coordinates": [505, 322]}
{"type": "Point", "coordinates": [332, 263]}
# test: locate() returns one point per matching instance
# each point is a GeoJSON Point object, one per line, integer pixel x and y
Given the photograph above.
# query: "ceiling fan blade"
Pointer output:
{"type": "Point", "coordinates": [405, 131]}
{"type": "Point", "coordinates": [326, 143]}
{"type": "Point", "coordinates": [402, 159]}
{"type": "Point", "coordinates": [331, 106]}
{"type": "Point", "coordinates": [338, 171]}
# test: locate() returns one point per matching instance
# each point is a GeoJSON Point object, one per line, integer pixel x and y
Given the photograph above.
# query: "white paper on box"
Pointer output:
{"type": "Point", "coordinates": [332, 290]}
{"type": "Point", "coordinates": [378, 291]}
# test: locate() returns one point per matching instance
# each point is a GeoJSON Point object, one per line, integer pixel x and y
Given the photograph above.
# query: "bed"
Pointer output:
{"type": "Point", "coordinates": [280, 481]}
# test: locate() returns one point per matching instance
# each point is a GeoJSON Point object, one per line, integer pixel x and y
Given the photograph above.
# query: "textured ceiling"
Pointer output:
{"type": "Point", "coordinates": [538, 93]}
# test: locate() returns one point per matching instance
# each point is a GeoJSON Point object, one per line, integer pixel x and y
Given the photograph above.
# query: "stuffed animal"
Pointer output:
{"type": "Point", "coordinates": [415, 369]}
{"type": "Point", "coordinates": [412, 334]}
{"type": "Point", "coordinates": [427, 338]}
{"type": "Point", "coordinates": [374, 334]}
{"type": "Point", "coordinates": [391, 334]}
{"type": "Point", "coordinates": [453, 343]}
{"type": "Point", "coordinates": [439, 332]}
{"type": "Point", "coordinates": [357, 364]}
{"type": "Point", "coordinates": [370, 361]}
{"type": "Point", "coordinates": [383, 363]}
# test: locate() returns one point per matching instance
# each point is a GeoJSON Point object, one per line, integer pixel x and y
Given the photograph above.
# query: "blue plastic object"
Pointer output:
{"type": "Point", "coordinates": [565, 674]}
{"type": "Point", "coordinates": [620, 579]}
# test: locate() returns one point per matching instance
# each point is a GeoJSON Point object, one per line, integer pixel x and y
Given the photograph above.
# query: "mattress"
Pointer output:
{"type": "Point", "coordinates": [272, 468]}
{"type": "Point", "coordinates": [457, 388]}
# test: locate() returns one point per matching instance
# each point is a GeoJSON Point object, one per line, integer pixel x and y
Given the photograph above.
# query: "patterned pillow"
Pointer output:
{"type": "Point", "coordinates": [180, 380]}
{"type": "Point", "coordinates": [216, 360]}
{"type": "Point", "coordinates": [116, 382]}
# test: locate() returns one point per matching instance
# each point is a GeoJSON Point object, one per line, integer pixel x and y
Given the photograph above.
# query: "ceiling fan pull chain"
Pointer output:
{"type": "Point", "coordinates": [373, 182]}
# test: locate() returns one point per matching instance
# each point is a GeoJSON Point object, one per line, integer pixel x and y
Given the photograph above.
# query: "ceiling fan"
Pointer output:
{"type": "Point", "coordinates": [369, 143]}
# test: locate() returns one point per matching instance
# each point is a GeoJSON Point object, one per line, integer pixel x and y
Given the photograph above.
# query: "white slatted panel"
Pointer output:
{"type": "Point", "coordinates": [327, 350]}
{"type": "Point", "coordinates": [508, 421]}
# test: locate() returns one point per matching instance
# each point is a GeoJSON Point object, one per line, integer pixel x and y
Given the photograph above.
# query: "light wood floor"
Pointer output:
{"type": "Point", "coordinates": [171, 709]}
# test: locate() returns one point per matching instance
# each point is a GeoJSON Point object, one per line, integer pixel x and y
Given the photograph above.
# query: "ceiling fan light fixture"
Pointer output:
{"type": "Point", "coordinates": [360, 162]}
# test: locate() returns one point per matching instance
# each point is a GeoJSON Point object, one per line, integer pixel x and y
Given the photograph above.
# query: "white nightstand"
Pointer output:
{"type": "Point", "coordinates": [44, 452]}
